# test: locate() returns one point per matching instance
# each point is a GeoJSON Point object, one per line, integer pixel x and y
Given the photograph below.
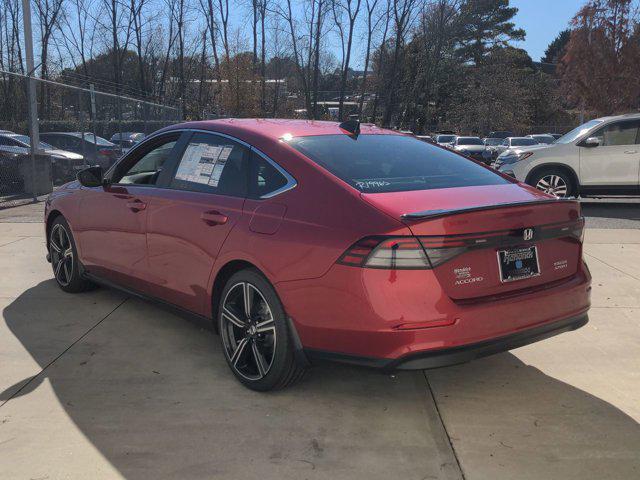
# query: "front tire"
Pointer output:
{"type": "Point", "coordinates": [64, 258]}
{"type": "Point", "coordinates": [554, 182]}
{"type": "Point", "coordinates": [255, 334]}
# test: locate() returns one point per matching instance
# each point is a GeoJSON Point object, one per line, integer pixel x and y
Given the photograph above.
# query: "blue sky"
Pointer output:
{"type": "Point", "coordinates": [543, 20]}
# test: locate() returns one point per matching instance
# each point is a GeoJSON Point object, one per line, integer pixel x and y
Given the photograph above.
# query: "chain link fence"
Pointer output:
{"type": "Point", "coordinates": [78, 125]}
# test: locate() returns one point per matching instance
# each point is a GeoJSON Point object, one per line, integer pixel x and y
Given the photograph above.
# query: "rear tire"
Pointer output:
{"type": "Point", "coordinates": [255, 334]}
{"type": "Point", "coordinates": [554, 181]}
{"type": "Point", "coordinates": [64, 258]}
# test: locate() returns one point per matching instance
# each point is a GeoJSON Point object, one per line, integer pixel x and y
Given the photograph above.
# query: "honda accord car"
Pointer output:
{"type": "Point", "coordinates": [305, 241]}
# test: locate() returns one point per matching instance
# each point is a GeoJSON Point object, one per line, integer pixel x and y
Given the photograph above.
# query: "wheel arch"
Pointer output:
{"type": "Point", "coordinates": [222, 276]}
{"type": "Point", "coordinates": [555, 166]}
{"type": "Point", "coordinates": [53, 214]}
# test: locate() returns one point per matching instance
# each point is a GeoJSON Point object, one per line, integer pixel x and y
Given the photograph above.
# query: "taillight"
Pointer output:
{"type": "Point", "coordinates": [106, 152]}
{"type": "Point", "coordinates": [396, 253]}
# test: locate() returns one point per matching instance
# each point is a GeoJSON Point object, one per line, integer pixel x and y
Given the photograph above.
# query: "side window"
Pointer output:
{"type": "Point", "coordinates": [4, 141]}
{"type": "Point", "coordinates": [264, 178]}
{"type": "Point", "coordinates": [212, 164]}
{"type": "Point", "coordinates": [618, 133]}
{"type": "Point", "coordinates": [146, 169]}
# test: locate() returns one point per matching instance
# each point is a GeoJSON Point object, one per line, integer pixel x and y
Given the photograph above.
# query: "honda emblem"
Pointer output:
{"type": "Point", "coordinates": [527, 234]}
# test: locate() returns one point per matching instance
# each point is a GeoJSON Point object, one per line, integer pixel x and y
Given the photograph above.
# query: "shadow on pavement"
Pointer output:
{"type": "Point", "coordinates": [153, 394]}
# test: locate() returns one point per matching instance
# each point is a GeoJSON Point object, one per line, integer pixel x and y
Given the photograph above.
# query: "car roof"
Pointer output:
{"type": "Point", "coordinates": [275, 129]}
{"type": "Point", "coordinates": [475, 138]}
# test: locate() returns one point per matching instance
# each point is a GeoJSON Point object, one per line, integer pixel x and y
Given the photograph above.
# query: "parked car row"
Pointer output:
{"type": "Point", "coordinates": [69, 152]}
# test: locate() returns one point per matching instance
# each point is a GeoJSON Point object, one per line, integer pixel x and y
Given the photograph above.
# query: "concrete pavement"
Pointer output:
{"type": "Point", "coordinates": [103, 386]}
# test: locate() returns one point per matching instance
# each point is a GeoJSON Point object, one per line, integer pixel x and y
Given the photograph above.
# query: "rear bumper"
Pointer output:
{"type": "Point", "coordinates": [460, 354]}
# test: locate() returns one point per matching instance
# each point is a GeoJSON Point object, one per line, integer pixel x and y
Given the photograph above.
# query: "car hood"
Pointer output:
{"type": "Point", "coordinates": [398, 204]}
{"type": "Point", "coordinates": [471, 148]}
{"type": "Point", "coordinates": [519, 150]}
{"type": "Point", "coordinates": [64, 154]}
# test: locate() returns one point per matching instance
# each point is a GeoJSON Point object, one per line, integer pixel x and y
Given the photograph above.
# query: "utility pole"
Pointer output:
{"type": "Point", "coordinates": [34, 132]}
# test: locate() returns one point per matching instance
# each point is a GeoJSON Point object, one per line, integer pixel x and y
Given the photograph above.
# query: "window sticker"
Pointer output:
{"type": "Point", "coordinates": [203, 163]}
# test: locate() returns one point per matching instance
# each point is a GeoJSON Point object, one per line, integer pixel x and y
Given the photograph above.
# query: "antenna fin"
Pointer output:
{"type": "Point", "coordinates": [352, 127]}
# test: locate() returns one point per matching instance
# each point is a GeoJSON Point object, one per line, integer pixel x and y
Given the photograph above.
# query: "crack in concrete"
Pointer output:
{"type": "Point", "coordinates": [452, 469]}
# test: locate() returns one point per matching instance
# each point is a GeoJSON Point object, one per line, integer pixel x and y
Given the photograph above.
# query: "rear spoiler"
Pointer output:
{"type": "Point", "coordinates": [456, 211]}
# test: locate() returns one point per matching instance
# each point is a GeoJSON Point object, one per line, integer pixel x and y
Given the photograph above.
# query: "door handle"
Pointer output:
{"type": "Point", "coordinates": [136, 205]}
{"type": "Point", "coordinates": [213, 218]}
{"type": "Point", "coordinates": [631, 152]}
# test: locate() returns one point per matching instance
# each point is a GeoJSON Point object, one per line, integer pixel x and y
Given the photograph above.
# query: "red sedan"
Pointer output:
{"type": "Point", "coordinates": [305, 240]}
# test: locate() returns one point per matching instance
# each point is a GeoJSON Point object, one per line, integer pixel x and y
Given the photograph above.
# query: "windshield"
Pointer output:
{"type": "Point", "coordinates": [548, 139]}
{"type": "Point", "coordinates": [393, 163]}
{"type": "Point", "coordinates": [577, 132]}
{"type": "Point", "coordinates": [445, 138]}
{"type": "Point", "coordinates": [523, 142]}
{"type": "Point", "coordinates": [469, 141]}
{"type": "Point", "coordinates": [492, 142]}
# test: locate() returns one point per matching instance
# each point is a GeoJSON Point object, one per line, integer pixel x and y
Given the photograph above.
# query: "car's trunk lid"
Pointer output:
{"type": "Point", "coordinates": [482, 233]}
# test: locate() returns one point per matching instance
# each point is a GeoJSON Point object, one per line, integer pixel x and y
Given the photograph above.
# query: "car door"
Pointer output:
{"type": "Point", "coordinates": [189, 221]}
{"type": "Point", "coordinates": [111, 230]}
{"type": "Point", "coordinates": [615, 162]}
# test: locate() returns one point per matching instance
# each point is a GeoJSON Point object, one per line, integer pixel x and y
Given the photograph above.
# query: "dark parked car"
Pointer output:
{"type": "Point", "coordinates": [64, 164]}
{"type": "Point", "coordinates": [426, 138]}
{"type": "Point", "coordinates": [502, 134]}
{"type": "Point", "coordinates": [97, 151]}
{"type": "Point", "coordinates": [472, 147]}
{"type": "Point", "coordinates": [512, 142]}
{"type": "Point", "coordinates": [445, 140]}
{"type": "Point", "coordinates": [11, 181]}
{"type": "Point", "coordinates": [126, 140]}
{"type": "Point", "coordinates": [316, 240]}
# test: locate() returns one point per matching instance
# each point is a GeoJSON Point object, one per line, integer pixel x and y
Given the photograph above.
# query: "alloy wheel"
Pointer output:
{"type": "Point", "coordinates": [248, 331]}
{"type": "Point", "coordinates": [554, 185]}
{"type": "Point", "coordinates": [61, 255]}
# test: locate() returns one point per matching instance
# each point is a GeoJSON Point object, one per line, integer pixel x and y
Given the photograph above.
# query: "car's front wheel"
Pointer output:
{"type": "Point", "coordinates": [554, 182]}
{"type": "Point", "coordinates": [64, 258]}
{"type": "Point", "coordinates": [255, 334]}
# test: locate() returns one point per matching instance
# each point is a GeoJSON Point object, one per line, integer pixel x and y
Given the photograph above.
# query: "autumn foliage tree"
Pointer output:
{"type": "Point", "coordinates": [599, 71]}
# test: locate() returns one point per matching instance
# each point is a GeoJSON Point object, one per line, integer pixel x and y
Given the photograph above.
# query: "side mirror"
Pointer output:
{"type": "Point", "coordinates": [91, 177]}
{"type": "Point", "coordinates": [591, 142]}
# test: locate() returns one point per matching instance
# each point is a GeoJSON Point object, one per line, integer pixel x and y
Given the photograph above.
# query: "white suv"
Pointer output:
{"type": "Point", "coordinates": [601, 157]}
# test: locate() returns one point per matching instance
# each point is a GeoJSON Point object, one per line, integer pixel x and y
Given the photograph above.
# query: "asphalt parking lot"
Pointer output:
{"type": "Point", "coordinates": [102, 386]}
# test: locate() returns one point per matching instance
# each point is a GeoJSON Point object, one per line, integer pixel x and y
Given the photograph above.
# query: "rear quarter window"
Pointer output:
{"type": "Point", "coordinates": [393, 163]}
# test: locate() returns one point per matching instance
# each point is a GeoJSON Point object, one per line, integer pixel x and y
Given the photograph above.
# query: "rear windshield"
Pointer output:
{"type": "Point", "coordinates": [393, 163]}
{"type": "Point", "coordinates": [89, 137]}
{"type": "Point", "coordinates": [445, 138]}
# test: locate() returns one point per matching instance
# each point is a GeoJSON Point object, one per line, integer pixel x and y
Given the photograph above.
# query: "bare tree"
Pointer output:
{"type": "Point", "coordinates": [402, 15]}
{"type": "Point", "coordinates": [381, 59]}
{"type": "Point", "coordinates": [352, 9]}
{"type": "Point", "coordinates": [301, 67]}
{"type": "Point", "coordinates": [262, 10]}
{"type": "Point", "coordinates": [48, 14]}
{"type": "Point", "coordinates": [371, 26]}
